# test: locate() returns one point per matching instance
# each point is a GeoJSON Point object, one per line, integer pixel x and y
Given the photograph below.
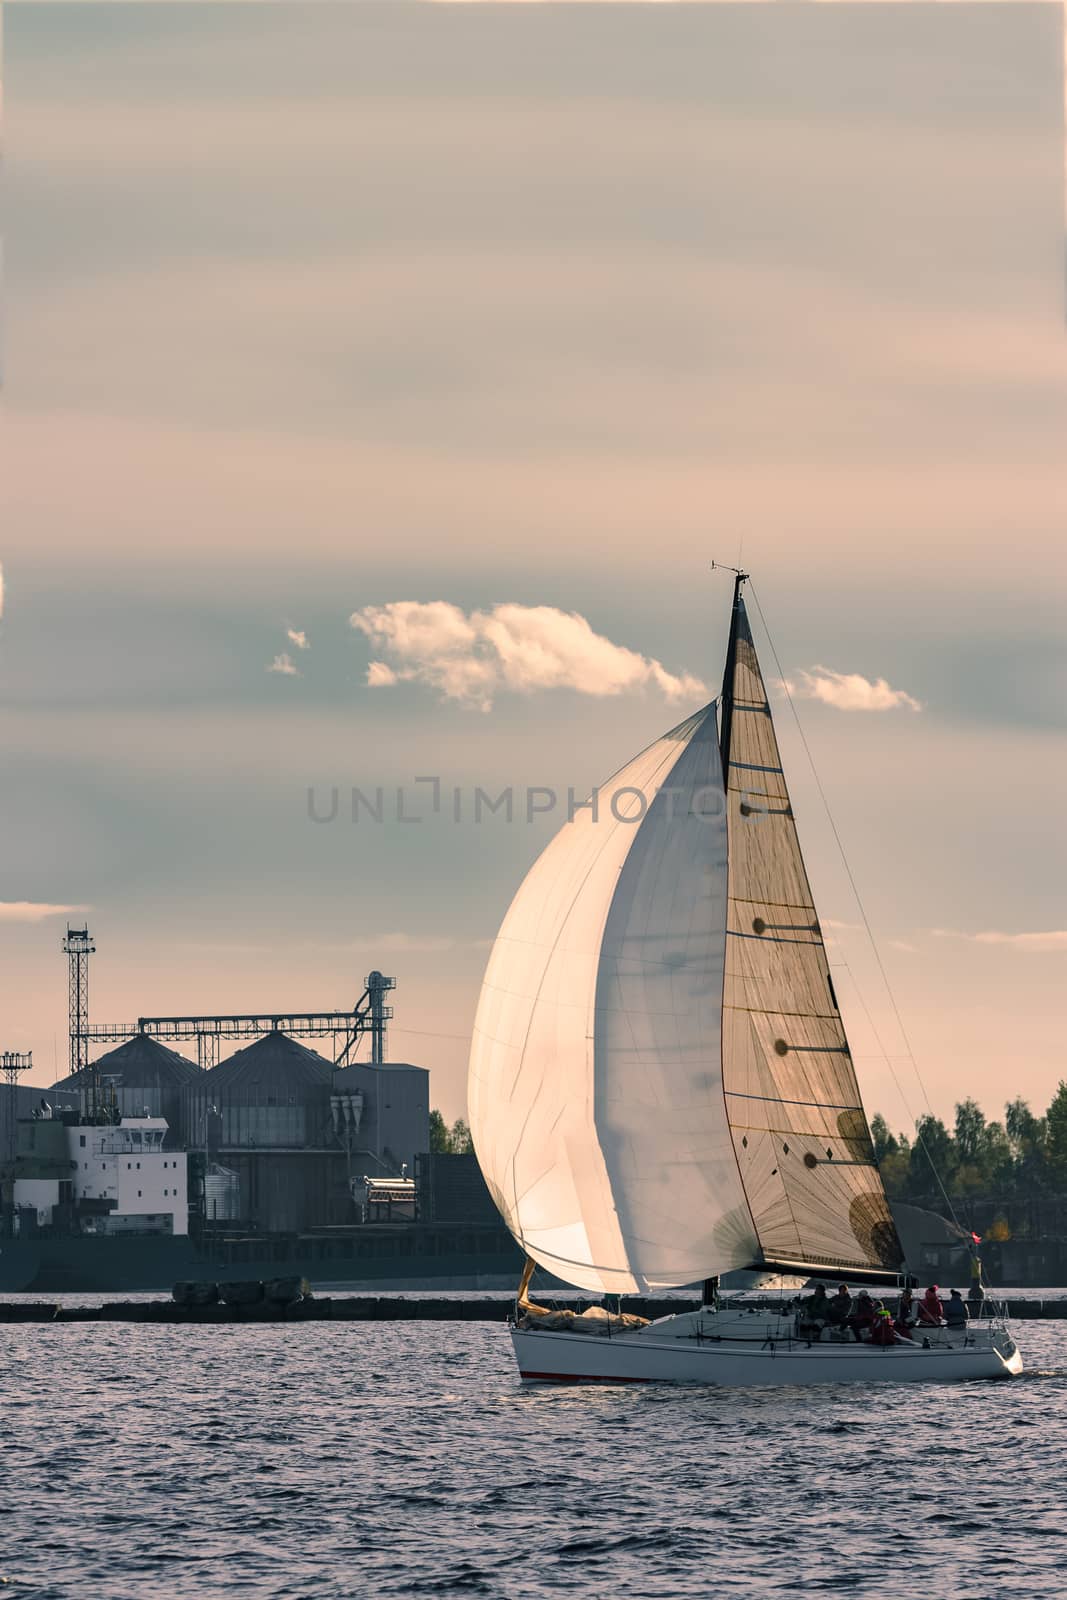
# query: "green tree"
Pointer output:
{"type": "Point", "coordinates": [1019, 1123]}
{"type": "Point", "coordinates": [883, 1140]}
{"type": "Point", "coordinates": [995, 1157]}
{"type": "Point", "coordinates": [934, 1151]}
{"type": "Point", "coordinates": [440, 1138]}
{"type": "Point", "coordinates": [894, 1170]}
{"type": "Point", "coordinates": [970, 1127]}
{"type": "Point", "coordinates": [1056, 1120]}
{"type": "Point", "coordinates": [461, 1142]}
{"type": "Point", "coordinates": [1027, 1137]}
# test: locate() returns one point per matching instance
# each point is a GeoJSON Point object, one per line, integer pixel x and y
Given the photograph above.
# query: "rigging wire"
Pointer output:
{"type": "Point", "coordinates": [867, 928]}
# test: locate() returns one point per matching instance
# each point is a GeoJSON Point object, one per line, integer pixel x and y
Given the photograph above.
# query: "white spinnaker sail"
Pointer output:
{"type": "Point", "coordinates": [595, 1087]}
{"type": "Point", "coordinates": [800, 1131]}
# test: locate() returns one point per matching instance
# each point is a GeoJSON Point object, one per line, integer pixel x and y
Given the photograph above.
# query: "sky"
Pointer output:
{"type": "Point", "coordinates": [380, 384]}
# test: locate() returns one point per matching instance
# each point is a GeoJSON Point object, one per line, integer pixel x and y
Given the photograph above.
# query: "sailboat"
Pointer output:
{"type": "Point", "coordinates": [661, 1089]}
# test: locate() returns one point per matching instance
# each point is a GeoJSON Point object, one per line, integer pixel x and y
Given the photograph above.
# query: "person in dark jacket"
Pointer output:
{"type": "Point", "coordinates": [840, 1307]}
{"type": "Point", "coordinates": [956, 1310]}
{"type": "Point", "coordinates": [815, 1311]}
{"type": "Point", "coordinates": [905, 1317]}
{"type": "Point", "coordinates": [862, 1319]}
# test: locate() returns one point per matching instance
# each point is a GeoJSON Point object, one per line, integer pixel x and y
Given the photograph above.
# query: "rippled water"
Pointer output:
{"type": "Point", "coordinates": [405, 1459]}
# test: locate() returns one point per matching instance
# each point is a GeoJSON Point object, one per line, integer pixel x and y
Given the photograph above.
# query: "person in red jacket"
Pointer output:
{"type": "Point", "coordinates": [931, 1311]}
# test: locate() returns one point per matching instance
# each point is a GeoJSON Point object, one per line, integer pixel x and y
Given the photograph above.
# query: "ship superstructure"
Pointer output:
{"type": "Point", "coordinates": [95, 1177]}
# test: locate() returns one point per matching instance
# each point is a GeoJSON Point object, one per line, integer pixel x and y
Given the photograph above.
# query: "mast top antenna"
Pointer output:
{"type": "Point", "coordinates": [722, 566]}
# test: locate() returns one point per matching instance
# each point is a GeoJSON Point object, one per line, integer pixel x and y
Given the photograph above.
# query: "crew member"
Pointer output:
{"type": "Point", "coordinates": [862, 1319]}
{"type": "Point", "coordinates": [905, 1318]}
{"type": "Point", "coordinates": [840, 1307]}
{"type": "Point", "coordinates": [882, 1331]}
{"type": "Point", "coordinates": [815, 1311]}
{"type": "Point", "coordinates": [956, 1310]}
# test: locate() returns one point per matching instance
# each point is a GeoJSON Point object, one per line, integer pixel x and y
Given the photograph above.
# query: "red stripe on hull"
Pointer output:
{"type": "Point", "coordinates": [578, 1377]}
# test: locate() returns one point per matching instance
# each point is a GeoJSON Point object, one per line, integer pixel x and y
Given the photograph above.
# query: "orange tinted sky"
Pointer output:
{"type": "Point", "coordinates": [311, 311]}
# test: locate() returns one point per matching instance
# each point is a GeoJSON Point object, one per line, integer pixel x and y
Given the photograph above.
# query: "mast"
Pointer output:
{"type": "Point", "coordinates": [727, 697]}
{"type": "Point", "coordinates": [710, 1288]}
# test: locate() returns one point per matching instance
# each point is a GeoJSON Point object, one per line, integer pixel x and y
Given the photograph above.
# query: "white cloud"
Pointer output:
{"type": "Point", "coordinates": [849, 691]}
{"type": "Point", "coordinates": [1054, 939]}
{"type": "Point", "coordinates": [298, 637]}
{"type": "Point", "coordinates": [34, 910]}
{"type": "Point", "coordinates": [283, 663]}
{"type": "Point", "coordinates": [901, 944]}
{"type": "Point", "coordinates": [472, 657]}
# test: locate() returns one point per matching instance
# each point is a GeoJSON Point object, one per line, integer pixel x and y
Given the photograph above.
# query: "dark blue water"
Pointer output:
{"type": "Point", "coordinates": [406, 1460]}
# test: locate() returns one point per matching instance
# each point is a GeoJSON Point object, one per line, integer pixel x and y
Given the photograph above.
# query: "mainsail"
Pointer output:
{"type": "Point", "coordinates": [799, 1129]}
{"type": "Point", "coordinates": [595, 1089]}
{"type": "Point", "coordinates": [660, 1086]}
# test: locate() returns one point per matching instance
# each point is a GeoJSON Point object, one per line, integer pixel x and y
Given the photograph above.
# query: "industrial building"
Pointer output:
{"type": "Point", "coordinates": [299, 1133]}
{"type": "Point", "coordinates": [274, 1139]}
{"type": "Point", "coordinates": [146, 1079]}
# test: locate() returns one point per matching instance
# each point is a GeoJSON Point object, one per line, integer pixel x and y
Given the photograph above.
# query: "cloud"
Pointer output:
{"type": "Point", "coordinates": [849, 691]}
{"type": "Point", "coordinates": [901, 944]}
{"type": "Point", "coordinates": [1054, 939]}
{"type": "Point", "coordinates": [34, 910]}
{"type": "Point", "coordinates": [283, 663]}
{"type": "Point", "coordinates": [298, 637]}
{"type": "Point", "coordinates": [472, 657]}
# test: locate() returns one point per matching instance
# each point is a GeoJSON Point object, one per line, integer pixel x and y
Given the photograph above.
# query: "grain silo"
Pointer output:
{"type": "Point", "coordinates": [148, 1079]}
{"type": "Point", "coordinates": [274, 1094]}
{"type": "Point", "coordinates": [275, 1131]}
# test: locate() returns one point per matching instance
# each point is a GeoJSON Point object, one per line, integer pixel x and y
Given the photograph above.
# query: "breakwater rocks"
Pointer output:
{"type": "Point", "coordinates": [290, 1300]}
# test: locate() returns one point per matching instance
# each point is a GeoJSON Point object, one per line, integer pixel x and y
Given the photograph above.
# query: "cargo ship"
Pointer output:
{"type": "Point", "coordinates": [443, 1256]}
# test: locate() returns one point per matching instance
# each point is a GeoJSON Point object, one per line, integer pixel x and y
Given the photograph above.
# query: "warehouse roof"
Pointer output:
{"type": "Point", "coordinates": [143, 1063]}
{"type": "Point", "coordinates": [273, 1063]}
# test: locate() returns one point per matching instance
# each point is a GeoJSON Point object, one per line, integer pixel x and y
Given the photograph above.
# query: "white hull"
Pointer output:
{"type": "Point", "coordinates": [737, 1352]}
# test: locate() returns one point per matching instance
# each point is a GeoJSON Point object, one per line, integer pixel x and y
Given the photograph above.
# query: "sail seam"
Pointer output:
{"type": "Point", "coordinates": [777, 1100]}
{"type": "Point", "coordinates": [776, 905]}
{"type": "Point", "coordinates": [811, 1016]}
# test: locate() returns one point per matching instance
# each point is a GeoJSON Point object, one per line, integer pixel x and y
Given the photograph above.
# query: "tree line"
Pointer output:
{"type": "Point", "coordinates": [1022, 1157]}
{"type": "Point", "coordinates": [449, 1141]}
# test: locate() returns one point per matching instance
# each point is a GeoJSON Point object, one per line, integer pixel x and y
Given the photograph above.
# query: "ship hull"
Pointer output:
{"type": "Point", "coordinates": [440, 1255]}
{"type": "Point", "coordinates": [686, 1349]}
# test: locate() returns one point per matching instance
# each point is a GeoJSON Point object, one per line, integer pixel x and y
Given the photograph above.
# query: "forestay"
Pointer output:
{"type": "Point", "coordinates": [800, 1132]}
{"type": "Point", "coordinates": [595, 1088]}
